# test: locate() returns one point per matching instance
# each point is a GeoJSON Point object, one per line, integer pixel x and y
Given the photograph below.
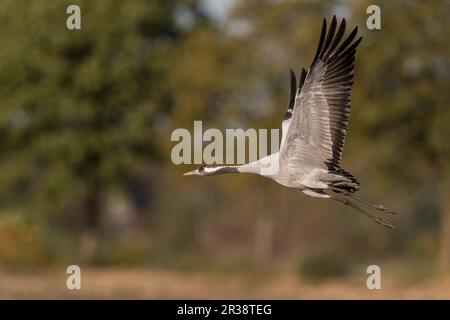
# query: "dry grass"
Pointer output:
{"type": "Point", "coordinates": [151, 284]}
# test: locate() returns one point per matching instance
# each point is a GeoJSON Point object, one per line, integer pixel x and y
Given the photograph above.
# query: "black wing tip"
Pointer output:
{"type": "Point", "coordinates": [291, 73]}
{"type": "Point", "coordinates": [302, 77]}
{"type": "Point", "coordinates": [293, 77]}
{"type": "Point", "coordinates": [334, 20]}
{"type": "Point", "coordinates": [321, 40]}
{"type": "Point", "coordinates": [293, 82]}
{"type": "Point", "coordinates": [293, 89]}
{"type": "Point", "coordinates": [330, 39]}
{"type": "Point", "coordinates": [352, 47]}
{"type": "Point", "coordinates": [343, 23]}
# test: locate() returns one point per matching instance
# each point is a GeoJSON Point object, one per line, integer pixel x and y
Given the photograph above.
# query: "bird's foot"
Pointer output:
{"type": "Point", "coordinates": [384, 222]}
{"type": "Point", "coordinates": [384, 209]}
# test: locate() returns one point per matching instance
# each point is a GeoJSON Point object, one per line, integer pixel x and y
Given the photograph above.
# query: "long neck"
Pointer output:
{"type": "Point", "coordinates": [245, 168]}
{"type": "Point", "coordinates": [254, 167]}
{"type": "Point", "coordinates": [211, 171]}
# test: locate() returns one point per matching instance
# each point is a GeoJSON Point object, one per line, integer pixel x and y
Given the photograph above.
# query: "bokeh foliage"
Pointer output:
{"type": "Point", "coordinates": [86, 118]}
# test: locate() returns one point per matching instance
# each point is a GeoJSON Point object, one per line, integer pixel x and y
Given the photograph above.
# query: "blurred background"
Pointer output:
{"type": "Point", "coordinates": [86, 176]}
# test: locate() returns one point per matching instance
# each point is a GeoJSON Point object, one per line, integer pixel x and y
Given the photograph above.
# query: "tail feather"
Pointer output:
{"type": "Point", "coordinates": [347, 184]}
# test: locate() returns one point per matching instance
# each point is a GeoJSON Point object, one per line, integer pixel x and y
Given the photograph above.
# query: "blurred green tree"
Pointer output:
{"type": "Point", "coordinates": [81, 109]}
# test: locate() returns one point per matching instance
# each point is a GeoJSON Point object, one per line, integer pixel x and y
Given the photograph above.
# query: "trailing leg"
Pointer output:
{"type": "Point", "coordinates": [376, 206]}
{"type": "Point", "coordinates": [378, 220]}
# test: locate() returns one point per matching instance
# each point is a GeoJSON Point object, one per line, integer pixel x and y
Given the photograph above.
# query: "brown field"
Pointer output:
{"type": "Point", "coordinates": [153, 284]}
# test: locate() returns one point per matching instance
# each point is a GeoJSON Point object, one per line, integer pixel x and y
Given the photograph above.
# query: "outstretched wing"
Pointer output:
{"type": "Point", "coordinates": [321, 110]}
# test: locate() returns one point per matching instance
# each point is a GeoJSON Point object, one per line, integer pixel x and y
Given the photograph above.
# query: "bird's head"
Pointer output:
{"type": "Point", "coordinates": [197, 172]}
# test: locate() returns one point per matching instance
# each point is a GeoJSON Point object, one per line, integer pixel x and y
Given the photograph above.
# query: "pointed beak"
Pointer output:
{"type": "Point", "coordinates": [191, 173]}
